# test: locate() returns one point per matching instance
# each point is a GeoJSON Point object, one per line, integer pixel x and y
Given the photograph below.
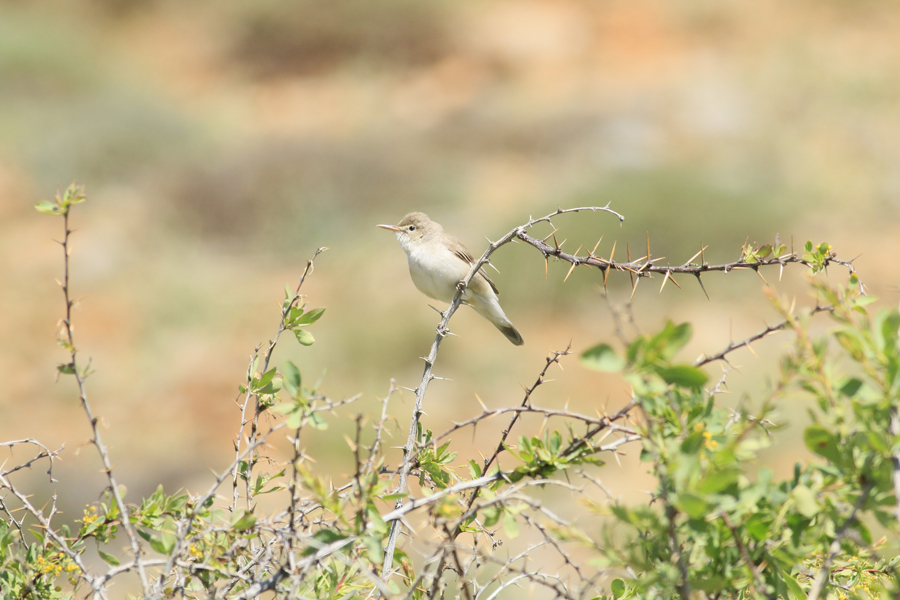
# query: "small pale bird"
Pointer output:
{"type": "Point", "coordinates": [438, 262]}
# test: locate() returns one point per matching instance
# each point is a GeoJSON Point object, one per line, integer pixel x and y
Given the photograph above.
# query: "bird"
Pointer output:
{"type": "Point", "coordinates": [438, 262]}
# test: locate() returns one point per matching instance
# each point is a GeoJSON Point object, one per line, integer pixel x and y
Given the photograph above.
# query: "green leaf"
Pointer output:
{"type": "Point", "coordinates": [311, 317]}
{"type": "Point", "coordinates": [324, 537]}
{"type": "Point", "coordinates": [794, 587]}
{"type": "Point", "coordinates": [850, 386]}
{"type": "Point", "coordinates": [864, 300]}
{"type": "Point", "coordinates": [47, 208]}
{"type": "Point", "coordinates": [719, 479]}
{"type": "Point", "coordinates": [317, 421]}
{"type": "Point", "coordinates": [889, 328]}
{"type": "Point", "coordinates": [292, 376]}
{"type": "Point", "coordinates": [617, 587]}
{"type": "Point", "coordinates": [805, 500]}
{"type": "Point", "coordinates": [243, 520]}
{"type": "Point", "coordinates": [270, 388]}
{"type": "Point", "coordinates": [683, 375]}
{"type": "Point", "coordinates": [757, 527]}
{"type": "Point", "coordinates": [510, 526]}
{"type": "Point", "coordinates": [266, 378]}
{"type": "Point", "coordinates": [491, 515]}
{"type": "Point", "coordinates": [692, 504]}
{"type": "Point", "coordinates": [602, 358]}
{"type": "Point", "coordinates": [820, 441]}
{"type": "Point", "coordinates": [671, 339]}
{"type": "Point", "coordinates": [304, 337]}
{"type": "Point", "coordinates": [108, 558]}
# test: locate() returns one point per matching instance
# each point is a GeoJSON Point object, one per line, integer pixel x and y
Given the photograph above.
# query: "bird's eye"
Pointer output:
{"type": "Point", "coordinates": [412, 227]}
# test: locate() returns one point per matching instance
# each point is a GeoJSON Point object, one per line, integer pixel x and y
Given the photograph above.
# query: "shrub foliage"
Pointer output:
{"type": "Point", "coordinates": [716, 525]}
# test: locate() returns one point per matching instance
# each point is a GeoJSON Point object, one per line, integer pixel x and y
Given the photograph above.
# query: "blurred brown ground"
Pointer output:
{"type": "Point", "coordinates": [221, 143]}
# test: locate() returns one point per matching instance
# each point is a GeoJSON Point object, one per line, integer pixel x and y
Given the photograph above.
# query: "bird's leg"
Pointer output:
{"type": "Point", "coordinates": [461, 286]}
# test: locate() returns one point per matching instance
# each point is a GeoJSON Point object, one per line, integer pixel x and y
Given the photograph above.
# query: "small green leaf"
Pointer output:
{"type": "Point", "coordinates": [850, 386]}
{"type": "Point", "coordinates": [292, 375]}
{"type": "Point", "coordinates": [602, 358]}
{"type": "Point", "coordinates": [324, 537]}
{"type": "Point", "coordinates": [757, 527]}
{"type": "Point", "coordinates": [683, 375]}
{"type": "Point", "coordinates": [266, 378]}
{"type": "Point", "coordinates": [805, 500]}
{"type": "Point", "coordinates": [820, 441]}
{"type": "Point", "coordinates": [304, 337]}
{"type": "Point", "coordinates": [617, 587]}
{"type": "Point", "coordinates": [692, 504]}
{"type": "Point", "coordinates": [108, 558]}
{"type": "Point", "coordinates": [243, 520]}
{"type": "Point", "coordinates": [316, 420]}
{"type": "Point", "coordinates": [491, 516]}
{"type": "Point", "coordinates": [311, 317]}
{"type": "Point", "coordinates": [47, 208]}
{"type": "Point", "coordinates": [510, 526]}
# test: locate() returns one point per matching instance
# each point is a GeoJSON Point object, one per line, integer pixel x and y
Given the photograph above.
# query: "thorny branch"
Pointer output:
{"type": "Point", "coordinates": [80, 373]}
{"type": "Point", "coordinates": [442, 330]}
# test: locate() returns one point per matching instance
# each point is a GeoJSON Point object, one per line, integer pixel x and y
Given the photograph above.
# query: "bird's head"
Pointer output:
{"type": "Point", "coordinates": [413, 229]}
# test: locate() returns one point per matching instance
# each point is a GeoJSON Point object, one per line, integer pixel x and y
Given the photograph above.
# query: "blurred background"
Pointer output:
{"type": "Point", "coordinates": [221, 143]}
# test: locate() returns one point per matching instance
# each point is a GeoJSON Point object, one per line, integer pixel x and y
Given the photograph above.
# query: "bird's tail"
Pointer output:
{"type": "Point", "coordinates": [489, 308]}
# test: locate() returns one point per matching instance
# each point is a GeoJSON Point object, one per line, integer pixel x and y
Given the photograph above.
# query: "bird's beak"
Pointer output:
{"type": "Point", "coordinates": [389, 227]}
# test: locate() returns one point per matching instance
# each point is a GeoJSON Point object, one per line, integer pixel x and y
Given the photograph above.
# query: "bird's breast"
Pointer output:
{"type": "Point", "coordinates": [436, 272]}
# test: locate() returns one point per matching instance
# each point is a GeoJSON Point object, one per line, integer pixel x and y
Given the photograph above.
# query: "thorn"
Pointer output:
{"type": "Point", "coordinates": [613, 253]}
{"type": "Point", "coordinates": [477, 397]}
{"type": "Point", "coordinates": [696, 255]}
{"type": "Point", "coordinates": [596, 245]}
{"type": "Point", "coordinates": [763, 278]}
{"type": "Point", "coordinates": [634, 289]}
{"type": "Point", "coordinates": [673, 279]}
{"type": "Point", "coordinates": [752, 351]}
{"type": "Point", "coordinates": [648, 245]}
{"type": "Point", "coordinates": [630, 272]}
{"type": "Point", "coordinates": [551, 234]}
{"type": "Point", "coordinates": [666, 278]}
{"type": "Point", "coordinates": [546, 265]}
{"type": "Point", "coordinates": [780, 271]}
{"type": "Point", "coordinates": [702, 287]}
{"type": "Point", "coordinates": [572, 268]}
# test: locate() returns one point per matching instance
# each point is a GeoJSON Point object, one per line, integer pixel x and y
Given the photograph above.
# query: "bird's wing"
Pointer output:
{"type": "Point", "coordinates": [459, 250]}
